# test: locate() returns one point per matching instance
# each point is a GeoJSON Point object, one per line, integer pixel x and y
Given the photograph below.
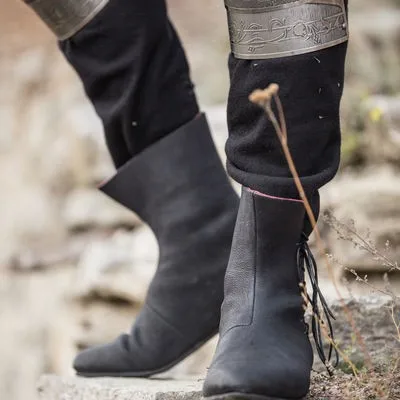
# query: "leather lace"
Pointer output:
{"type": "Point", "coordinates": [306, 263]}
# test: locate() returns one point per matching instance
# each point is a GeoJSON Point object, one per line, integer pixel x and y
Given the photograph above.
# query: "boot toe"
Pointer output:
{"type": "Point", "coordinates": [105, 360]}
{"type": "Point", "coordinates": [271, 375]}
{"type": "Point", "coordinates": [221, 381]}
{"type": "Point", "coordinates": [271, 385]}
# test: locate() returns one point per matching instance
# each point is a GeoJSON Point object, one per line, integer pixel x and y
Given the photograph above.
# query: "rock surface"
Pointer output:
{"type": "Point", "coordinates": [372, 317]}
{"type": "Point", "coordinates": [118, 266]}
{"type": "Point", "coordinates": [382, 137]}
{"type": "Point", "coordinates": [87, 208]}
{"type": "Point", "coordinates": [54, 388]}
{"type": "Point", "coordinates": [365, 204]}
{"type": "Point", "coordinates": [339, 387]}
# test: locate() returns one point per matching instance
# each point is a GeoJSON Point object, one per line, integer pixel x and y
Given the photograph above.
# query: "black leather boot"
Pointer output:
{"type": "Point", "coordinates": [264, 351]}
{"type": "Point", "coordinates": [179, 187]}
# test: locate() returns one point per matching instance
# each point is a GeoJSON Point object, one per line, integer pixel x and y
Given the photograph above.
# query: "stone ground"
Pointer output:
{"type": "Point", "coordinates": [342, 386]}
{"type": "Point", "coordinates": [339, 387]}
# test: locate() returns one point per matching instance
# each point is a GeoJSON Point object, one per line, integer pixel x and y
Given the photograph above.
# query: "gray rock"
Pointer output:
{"type": "Point", "coordinates": [368, 204]}
{"type": "Point", "coordinates": [55, 388]}
{"type": "Point", "coordinates": [29, 217]}
{"type": "Point", "coordinates": [119, 266]}
{"type": "Point", "coordinates": [373, 59]}
{"type": "Point", "coordinates": [382, 137]}
{"type": "Point", "coordinates": [87, 208]}
{"type": "Point", "coordinates": [29, 303]}
{"type": "Point", "coordinates": [372, 316]}
{"type": "Point", "coordinates": [97, 322]}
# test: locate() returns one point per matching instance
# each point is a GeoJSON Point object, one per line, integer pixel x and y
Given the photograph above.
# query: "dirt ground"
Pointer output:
{"type": "Point", "coordinates": [380, 385]}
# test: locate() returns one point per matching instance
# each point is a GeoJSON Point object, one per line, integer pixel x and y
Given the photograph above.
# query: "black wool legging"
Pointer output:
{"type": "Point", "coordinates": [135, 72]}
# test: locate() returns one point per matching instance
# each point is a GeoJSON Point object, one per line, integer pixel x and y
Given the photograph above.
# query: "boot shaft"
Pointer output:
{"type": "Point", "coordinates": [178, 186]}
{"type": "Point", "coordinates": [263, 256]}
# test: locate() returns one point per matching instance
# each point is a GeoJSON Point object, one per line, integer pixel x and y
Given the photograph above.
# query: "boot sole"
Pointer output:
{"type": "Point", "coordinates": [248, 396]}
{"type": "Point", "coordinates": [146, 374]}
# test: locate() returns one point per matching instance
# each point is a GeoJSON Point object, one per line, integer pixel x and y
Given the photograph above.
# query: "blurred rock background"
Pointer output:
{"type": "Point", "coordinates": [74, 266]}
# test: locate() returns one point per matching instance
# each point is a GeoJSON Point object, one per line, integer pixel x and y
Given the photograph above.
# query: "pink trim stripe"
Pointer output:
{"type": "Point", "coordinates": [268, 196]}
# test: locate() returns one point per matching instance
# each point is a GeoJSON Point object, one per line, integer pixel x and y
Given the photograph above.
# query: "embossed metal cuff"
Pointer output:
{"type": "Point", "coordinates": [262, 29]}
{"type": "Point", "coordinates": [66, 17]}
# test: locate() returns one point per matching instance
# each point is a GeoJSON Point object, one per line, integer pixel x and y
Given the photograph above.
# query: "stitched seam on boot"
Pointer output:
{"type": "Point", "coordinates": [254, 271]}
{"type": "Point", "coordinates": [255, 258]}
{"type": "Point", "coordinates": [151, 308]}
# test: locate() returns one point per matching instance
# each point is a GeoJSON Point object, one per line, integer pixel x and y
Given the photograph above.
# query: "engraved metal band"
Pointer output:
{"type": "Point", "coordinates": [66, 17]}
{"type": "Point", "coordinates": [263, 29]}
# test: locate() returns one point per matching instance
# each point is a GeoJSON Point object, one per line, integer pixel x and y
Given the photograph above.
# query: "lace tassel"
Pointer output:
{"type": "Point", "coordinates": [306, 263]}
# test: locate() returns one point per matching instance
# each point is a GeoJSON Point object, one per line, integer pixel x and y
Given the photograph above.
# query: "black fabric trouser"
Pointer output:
{"type": "Point", "coordinates": [135, 72]}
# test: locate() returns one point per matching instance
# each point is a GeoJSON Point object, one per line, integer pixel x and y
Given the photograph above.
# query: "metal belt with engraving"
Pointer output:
{"type": "Point", "coordinates": [262, 29]}
{"type": "Point", "coordinates": [66, 17]}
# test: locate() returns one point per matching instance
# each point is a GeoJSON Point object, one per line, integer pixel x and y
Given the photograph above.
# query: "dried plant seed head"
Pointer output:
{"type": "Point", "coordinates": [260, 97]}
{"type": "Point", "coordinates": [263, 97]}
{"type": "Point", "coordinates": [273, 88]}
